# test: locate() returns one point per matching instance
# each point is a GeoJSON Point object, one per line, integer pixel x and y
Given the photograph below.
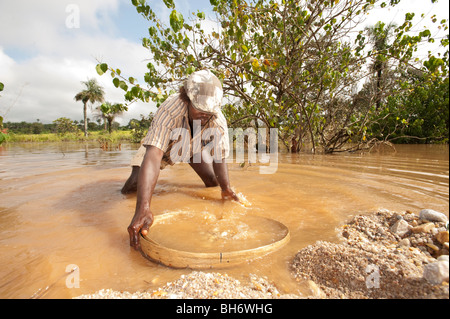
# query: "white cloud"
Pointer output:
{"type": "Point", "coordinates": [44, 88]}
{"type": "Point", "coordinates": [42, 24]}
{"type": "Point", "coordinates": [42, 61]}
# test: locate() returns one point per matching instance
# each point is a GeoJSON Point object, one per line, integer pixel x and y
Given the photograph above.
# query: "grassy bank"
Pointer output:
{"type": "Point", "coordinates": [99, 136]}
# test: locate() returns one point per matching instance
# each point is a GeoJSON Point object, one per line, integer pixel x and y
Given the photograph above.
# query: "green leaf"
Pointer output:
{"type": "Point", "coordinates": [201, 15]}
{"type": "Point", "coordinates": [186, 42]}
{"type": "Point", "coordinates": [169, 4]}
{"type": "Point", "coordinates": [2, 86]}
{"type": "Point", "coordinates": [116, 82]}
{"type": "Point", "coordinates": [152, 31]}
{"type": "Point", "coordinates": [409, 16]}
{"type": "Point", "coordinates": [135, 91]}
{"type": "Point", "coordinates": [145, 42]}
{"type": "Point", "coordinates": [190, 70]}
{"type": "Point", "coordinates": [123, 86]}
{"type": "Point", "coordinates": [176, 21]}
{"type": "Point", "coordinates": [101, 68]}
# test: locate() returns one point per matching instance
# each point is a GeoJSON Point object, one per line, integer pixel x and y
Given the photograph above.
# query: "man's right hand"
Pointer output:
{"type": "Point", "coordinates": [140, 224]}
{"type": "Point", "coordinates": [148, 175]}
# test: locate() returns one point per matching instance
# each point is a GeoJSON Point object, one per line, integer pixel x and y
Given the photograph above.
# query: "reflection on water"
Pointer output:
{"type": "Point", "coordinates": [49, 157]}
{"type": "Point", "coordinates": [211, 233]}
{"type": "Point", "coordinates": [60, 204]}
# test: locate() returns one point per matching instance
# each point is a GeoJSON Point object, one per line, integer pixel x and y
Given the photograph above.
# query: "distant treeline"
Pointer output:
{"type": "Point", "coordinates": [40, 128]}
{"type": "Point", "coordinates": [63, 126]}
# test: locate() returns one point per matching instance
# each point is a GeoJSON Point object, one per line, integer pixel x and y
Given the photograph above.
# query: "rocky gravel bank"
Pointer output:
{"type": "Point", "coordinates": [381, 255]}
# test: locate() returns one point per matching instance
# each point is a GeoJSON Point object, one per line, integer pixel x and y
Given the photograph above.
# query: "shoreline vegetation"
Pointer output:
{"type": "Point", "coordinates": [117, 136]}
{"type": "Point", "coordinates": [113, 137]}
{"type": "Point", "coordinates": [113, 141]}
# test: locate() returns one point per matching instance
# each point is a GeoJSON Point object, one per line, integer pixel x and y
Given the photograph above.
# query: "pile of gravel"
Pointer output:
{"type": "Point", "coordinates": [379, 259]}
{"type": "Point", "coordinates": [201, 285]}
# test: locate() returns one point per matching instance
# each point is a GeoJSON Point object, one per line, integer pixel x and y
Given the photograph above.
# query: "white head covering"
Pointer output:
{"type": "Point", "coordinates": [205, 91]}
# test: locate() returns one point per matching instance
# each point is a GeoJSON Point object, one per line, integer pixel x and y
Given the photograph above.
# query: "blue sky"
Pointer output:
{"type": "Point", "coordinates": [42, 61]}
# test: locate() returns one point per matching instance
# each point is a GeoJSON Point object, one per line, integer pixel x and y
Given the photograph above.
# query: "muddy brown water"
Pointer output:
{"type": "Point", "coordinates": [60, 205]}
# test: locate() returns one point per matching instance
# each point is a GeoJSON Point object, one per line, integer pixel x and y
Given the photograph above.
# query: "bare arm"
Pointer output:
{"type": "Point", "coordinates": [148, 176]}
{"type": "Point", "coordinates": [221, 172]}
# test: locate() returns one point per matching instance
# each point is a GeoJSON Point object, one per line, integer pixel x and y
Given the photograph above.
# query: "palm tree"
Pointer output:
{"type": "Point", "coordinates": [93, 93]}
{"type": "Point", "coordinates": [110, 111]}
{"type": "Point", "coordinates": [379, 35]}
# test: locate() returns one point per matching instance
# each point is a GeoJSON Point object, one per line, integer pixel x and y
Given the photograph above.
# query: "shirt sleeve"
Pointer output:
{"type": "Point", "coordinates": [159, 132]}
{"type": "Point", "coordinates": [158, 136]}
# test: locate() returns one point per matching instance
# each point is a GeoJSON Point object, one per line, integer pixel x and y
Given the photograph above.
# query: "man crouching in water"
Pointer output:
{"type": "Point", "coordinates": [199, 101]}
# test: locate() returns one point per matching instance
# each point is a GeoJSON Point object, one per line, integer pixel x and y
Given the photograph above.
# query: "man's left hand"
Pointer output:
{"type": "Point", "coordinates": [228, 194]}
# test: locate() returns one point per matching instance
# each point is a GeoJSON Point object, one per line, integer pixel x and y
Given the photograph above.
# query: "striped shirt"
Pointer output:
{"type": "Point", "coordinates": [170, 131]}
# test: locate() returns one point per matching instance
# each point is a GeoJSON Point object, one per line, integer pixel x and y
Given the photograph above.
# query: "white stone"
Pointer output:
{"type": "Point", "coordinates": [404, 243]}
{"type": "Point", "coordinates": [432, 216]}
{"type": "Point", "coordinates": [400, 228]}
{"type": "Point", "coordinates": [315, 290]}
{"type": "Point", "coordinates": [437, 272]}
